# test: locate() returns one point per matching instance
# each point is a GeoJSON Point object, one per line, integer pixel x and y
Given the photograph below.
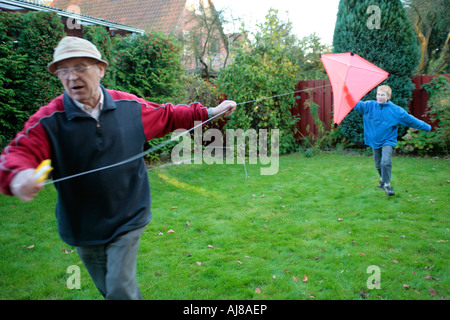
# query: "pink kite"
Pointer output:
{"type": "Point", "coordinates": [351, 77]}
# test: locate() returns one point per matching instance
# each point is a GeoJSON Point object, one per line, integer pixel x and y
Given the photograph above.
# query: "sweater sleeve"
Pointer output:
{"type": "Point", "coordinates": [29, 148]}
{"type": "Point", "coordinates": [161, 119]}
{"type": "Point", "coordinates": [361, 107]}
{"type": "Point", "coordinates": [404, 118]}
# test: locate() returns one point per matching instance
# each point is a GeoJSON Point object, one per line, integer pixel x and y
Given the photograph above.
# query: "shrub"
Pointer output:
{"type": "Point", "coordinates": [105, 44]}
{"type": "Point", "coordinates": [439, 107]}
{"type": "Point", "coordinates": [418, 142]}
{"type": "Point", "coordinates": [196, 89]}
{"type": "Point", "coordinates": [41, 35]}
{"type": "Point", "coordinates": [257, 74]}
{"type": "Point", "coordinates": [26, 46]}
{"type": "Point", "coordinates": [149, 66]}
{"type": "Point", "coordinates": [438, 141]}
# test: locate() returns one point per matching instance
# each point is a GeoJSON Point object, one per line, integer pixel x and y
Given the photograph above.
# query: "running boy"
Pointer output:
{"type": "Point", "coordinates": [381, 119]}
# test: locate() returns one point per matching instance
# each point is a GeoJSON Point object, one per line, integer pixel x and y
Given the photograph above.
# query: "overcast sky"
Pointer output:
{"type": "Point", "coordinates": [307, 16]}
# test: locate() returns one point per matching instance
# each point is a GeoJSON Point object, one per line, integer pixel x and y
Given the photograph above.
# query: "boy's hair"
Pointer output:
{"type": "Point", "coordinates": [386, 89]}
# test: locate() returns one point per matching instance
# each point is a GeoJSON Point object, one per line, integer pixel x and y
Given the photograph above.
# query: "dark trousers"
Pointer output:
{"type": "Point", "coordinates": [383, 162]}
{"type": "Point", "coordinates": [112, 266]}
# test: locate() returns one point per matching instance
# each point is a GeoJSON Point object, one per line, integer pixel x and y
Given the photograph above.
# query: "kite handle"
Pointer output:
{"type": "Point", "coordinates": [42, 171]}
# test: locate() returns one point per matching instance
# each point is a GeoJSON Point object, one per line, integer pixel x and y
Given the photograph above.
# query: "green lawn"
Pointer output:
{"type": "Point", "coordinates": [309, 232]}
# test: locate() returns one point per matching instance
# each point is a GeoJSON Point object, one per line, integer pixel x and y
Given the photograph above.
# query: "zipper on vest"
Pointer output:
{"type": "Point", "coordinates": [99, 135]}
{"type": "Point", "coordinates": [99, 132]}
{"type": "Point", "coordinates": [99, 129]}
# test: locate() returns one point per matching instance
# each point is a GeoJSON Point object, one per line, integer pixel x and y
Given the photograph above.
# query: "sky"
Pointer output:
{"type": "Point", "coordinates": [307, 16]}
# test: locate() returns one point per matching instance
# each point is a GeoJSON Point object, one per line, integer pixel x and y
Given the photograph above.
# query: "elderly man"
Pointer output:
{"type": "Point", "coordinates": [102, 214]}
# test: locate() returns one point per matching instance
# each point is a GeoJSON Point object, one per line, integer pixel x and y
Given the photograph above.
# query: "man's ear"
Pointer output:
{"type": "Point", "coordinates": [102, 69]}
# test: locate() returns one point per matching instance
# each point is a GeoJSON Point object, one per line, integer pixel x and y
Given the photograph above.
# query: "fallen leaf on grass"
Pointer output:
{"type": "Point", "coordinates": [305, 278]}
{"type": "Point", "coordinates": [198, 263]}
{"type": "Point", "coordinates": [432, 292]}
{"type": "Point", "coordinates": [258, 290]}
{"type": "Point", "coordinates": [295, 278]}
{"type": "Point", "coordinates": [363, 294]}
{"type": "Point", "coordinates": [210, 246]}
{"type": "Point", "coordinates": [340, 219]}
{"type": "Point", "coordinates": [170, 231]}
{"type": "Point", "coordinates": [394, 261]}
{"type": "Point", "coordinates": [30, 247]}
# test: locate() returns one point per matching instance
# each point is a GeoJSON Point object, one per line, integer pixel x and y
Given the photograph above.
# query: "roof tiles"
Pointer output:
{"type": "Point", "coordinates": [150, 15]}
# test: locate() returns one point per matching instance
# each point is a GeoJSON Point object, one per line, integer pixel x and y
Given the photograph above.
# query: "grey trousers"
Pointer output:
{"type": "Point", "coordinates": [112, 266]}
{"type": "Point", "coordinates": [383, 162]}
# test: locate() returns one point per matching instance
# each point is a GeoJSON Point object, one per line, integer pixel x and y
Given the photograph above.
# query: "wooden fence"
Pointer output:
{"type": "Point", "coordinates": [322, 94]}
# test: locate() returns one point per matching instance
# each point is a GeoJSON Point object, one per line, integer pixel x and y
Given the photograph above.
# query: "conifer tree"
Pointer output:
{"type": "Point", "coordinates": [380, 32]}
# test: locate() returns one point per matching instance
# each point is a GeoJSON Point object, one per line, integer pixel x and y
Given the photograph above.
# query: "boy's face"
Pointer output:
{"type": "Point", "coordinates": [382, 96]}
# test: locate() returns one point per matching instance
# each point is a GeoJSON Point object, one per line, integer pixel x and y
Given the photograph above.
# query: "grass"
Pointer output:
{"type": "Point", "coordinates": [309, 232]}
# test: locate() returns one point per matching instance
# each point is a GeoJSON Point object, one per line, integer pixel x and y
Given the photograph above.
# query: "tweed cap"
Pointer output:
{"type": "Point", "coordinates": [74, 47]}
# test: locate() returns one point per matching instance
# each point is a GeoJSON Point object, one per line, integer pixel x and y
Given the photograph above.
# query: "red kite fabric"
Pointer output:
{"type": "Point", "coordinates": [351, 77]}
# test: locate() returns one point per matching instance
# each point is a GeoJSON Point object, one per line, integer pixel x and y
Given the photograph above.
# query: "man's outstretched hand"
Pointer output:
{"type": "Point", "coordinates": [228, 105]}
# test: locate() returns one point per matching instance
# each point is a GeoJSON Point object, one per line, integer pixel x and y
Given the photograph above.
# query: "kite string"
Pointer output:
{"type": "Point", "coordinates": [164, 143]}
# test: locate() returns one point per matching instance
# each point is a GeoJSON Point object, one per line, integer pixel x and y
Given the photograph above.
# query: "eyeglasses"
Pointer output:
{"type": "Point", "coordinates": [64, 73]}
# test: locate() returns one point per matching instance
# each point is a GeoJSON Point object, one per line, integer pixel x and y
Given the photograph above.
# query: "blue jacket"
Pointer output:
{"type": "Point", "coordinates": [381, 122]}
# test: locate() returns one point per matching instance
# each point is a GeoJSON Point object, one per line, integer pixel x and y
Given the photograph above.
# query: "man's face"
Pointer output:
{"type": "Point", "coordinates": [382, 97]}
{"type": "Point", "coordinates": [82, 84]}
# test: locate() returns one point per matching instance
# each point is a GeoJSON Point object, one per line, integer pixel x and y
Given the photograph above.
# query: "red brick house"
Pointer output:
{"type": "Point", "coordinates": [187, 20]}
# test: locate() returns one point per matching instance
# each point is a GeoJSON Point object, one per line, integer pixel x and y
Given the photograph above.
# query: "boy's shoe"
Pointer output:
{"type": "Point", "coordinates": [381, 185]}
{"type": "Point", "coordinates": [389, 190]}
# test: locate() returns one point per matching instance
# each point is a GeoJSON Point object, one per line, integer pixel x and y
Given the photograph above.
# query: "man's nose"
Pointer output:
{"type": "Point", "coordinates": [72, 75]}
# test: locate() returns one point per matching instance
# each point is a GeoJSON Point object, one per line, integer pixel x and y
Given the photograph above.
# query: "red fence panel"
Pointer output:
{"type": "Point", "coordinates": [321, 94]}
{"type": "Point", "coordinates": [418, 105]}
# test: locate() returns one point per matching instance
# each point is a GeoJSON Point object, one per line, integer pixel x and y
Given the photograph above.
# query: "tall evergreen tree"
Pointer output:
{"type": "Point", "coordinates": [380, 32]}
